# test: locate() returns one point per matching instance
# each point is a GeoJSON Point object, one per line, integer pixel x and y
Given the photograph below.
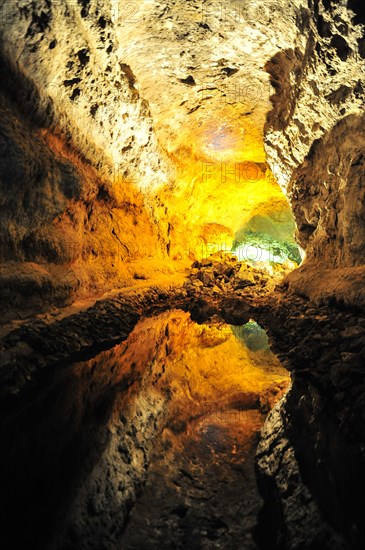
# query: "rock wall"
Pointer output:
{"type": "Point", "coordinates": [74, 136]}
{"type": "Point", "coordinates": [68, 77]}
{"type": "Point", "coordinates": [94, 189]}
{"type": "Point", "coordinates": [310, 460]}
{"type": "Point", "coordinates": [290, 518]}
{"type": "Point", "coordinates": [79, 148]}
{"type": "Point", "coordinates": [315, 144]}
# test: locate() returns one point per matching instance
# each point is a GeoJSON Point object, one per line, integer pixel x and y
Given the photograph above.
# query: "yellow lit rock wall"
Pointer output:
{"type": "Point", "coordinates": [213, 198]}
{"type": "Point", "coordinates": [78, 156]}
{"type": "Point", "coordinates": [201, 65]}
{"type": "Point", "coordinates": [126, 144]}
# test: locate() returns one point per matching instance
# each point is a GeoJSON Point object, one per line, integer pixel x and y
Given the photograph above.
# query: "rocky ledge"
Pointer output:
{"type": "Point", "coordinates": [217, 286]}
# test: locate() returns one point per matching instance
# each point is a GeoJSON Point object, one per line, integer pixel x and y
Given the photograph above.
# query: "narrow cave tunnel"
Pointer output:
{"type": "Point", "coordinates": [182, 274]}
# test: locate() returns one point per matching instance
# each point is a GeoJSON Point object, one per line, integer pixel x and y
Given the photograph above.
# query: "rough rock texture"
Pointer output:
{"type": "Point", "coordinates": [64, 229]}
{"type": "Point", "coordinates": [222, 274]}
{"type": "Point", "coordinates": [315, 144]}
{"type": "Point", "coordinates": [86, 432]}
{"type": "Point", "coordinates": [75, 83]}
{"type": "Point", "coordinates": [320, 424]}
{"type": "Point", "coordinates": [86, 189]}
{"type": "Point", "coordinates": [74, 134]}
{"type": "Point", "coordinates": [201, 68]}
{"type": "Point", "coordinates": [290, 510]}
{"type": "Point", "coordinates": [193, 79]}
{"type": "Point", "coordinates": [127, 136]}
{"type": "Point", "coordinates": [201, 65]}
{"type": "Point", "coordinates": [312, 452]}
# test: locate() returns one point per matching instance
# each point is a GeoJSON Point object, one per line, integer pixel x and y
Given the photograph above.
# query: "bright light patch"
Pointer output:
{"type": "Point", "coordinates": [257, 254]}
{"type": "Point", "coordinates": [223, 138]}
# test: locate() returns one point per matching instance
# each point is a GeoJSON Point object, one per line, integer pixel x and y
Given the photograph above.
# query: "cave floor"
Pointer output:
{"type": "Point", "coordinates": [165, 280]}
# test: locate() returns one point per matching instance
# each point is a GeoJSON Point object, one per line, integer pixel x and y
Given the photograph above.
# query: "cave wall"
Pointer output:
{"type": "Point", "coordinates": [97, 96]}
{"type": "Point", "coordinates": [75, 134]}
{"type": "Point", "coordinates": [80, 152]}
{"type": "Point", "coordinates": [315, 145]}
{"type": "Point", "coordinates": [72, 80]}
{"type": "Point", "coordinates": [310, 459]}
{"type": "Point", "coordinates": [65, 231]}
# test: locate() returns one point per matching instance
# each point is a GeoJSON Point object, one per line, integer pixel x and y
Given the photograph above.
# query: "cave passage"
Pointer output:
{"type": "Point", "coordinates": [169, 418]}
{"type": "Point", "coordinates": [175, 176]}
{"type": "Point", "coordinates": [201, 487]}
{"type": "Point", "coordinates": [148, 155]}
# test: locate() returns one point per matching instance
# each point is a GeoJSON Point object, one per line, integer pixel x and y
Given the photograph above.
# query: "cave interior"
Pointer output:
{"type": "Point", "coordinates": [182, 274]}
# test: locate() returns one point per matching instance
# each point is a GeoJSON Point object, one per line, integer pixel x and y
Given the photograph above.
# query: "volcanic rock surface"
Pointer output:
{"type": "Point", "coordinates": [135, 140]}
{"type": "Point", "coordinates": [314, 141]}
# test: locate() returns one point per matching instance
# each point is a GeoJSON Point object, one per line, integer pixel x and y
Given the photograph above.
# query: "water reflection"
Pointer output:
{"type": "Point", "coordinates": [177, 395]}
{"type": "Point", "coordinates": [253, 336]}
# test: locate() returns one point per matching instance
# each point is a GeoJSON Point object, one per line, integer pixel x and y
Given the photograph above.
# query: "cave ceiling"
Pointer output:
{"type": "Point", "coordinates": [201, 67]}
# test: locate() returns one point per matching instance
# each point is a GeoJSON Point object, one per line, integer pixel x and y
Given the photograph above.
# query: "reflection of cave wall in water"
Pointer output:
{"type": "Point", "coordinates": [310, 459]}
{"type": "Point", "coordinates": [323, 347]}
{"type": "Point", "coordinates": [254, 336]}
{"type": "Point", "coordinates": [101, 418]}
